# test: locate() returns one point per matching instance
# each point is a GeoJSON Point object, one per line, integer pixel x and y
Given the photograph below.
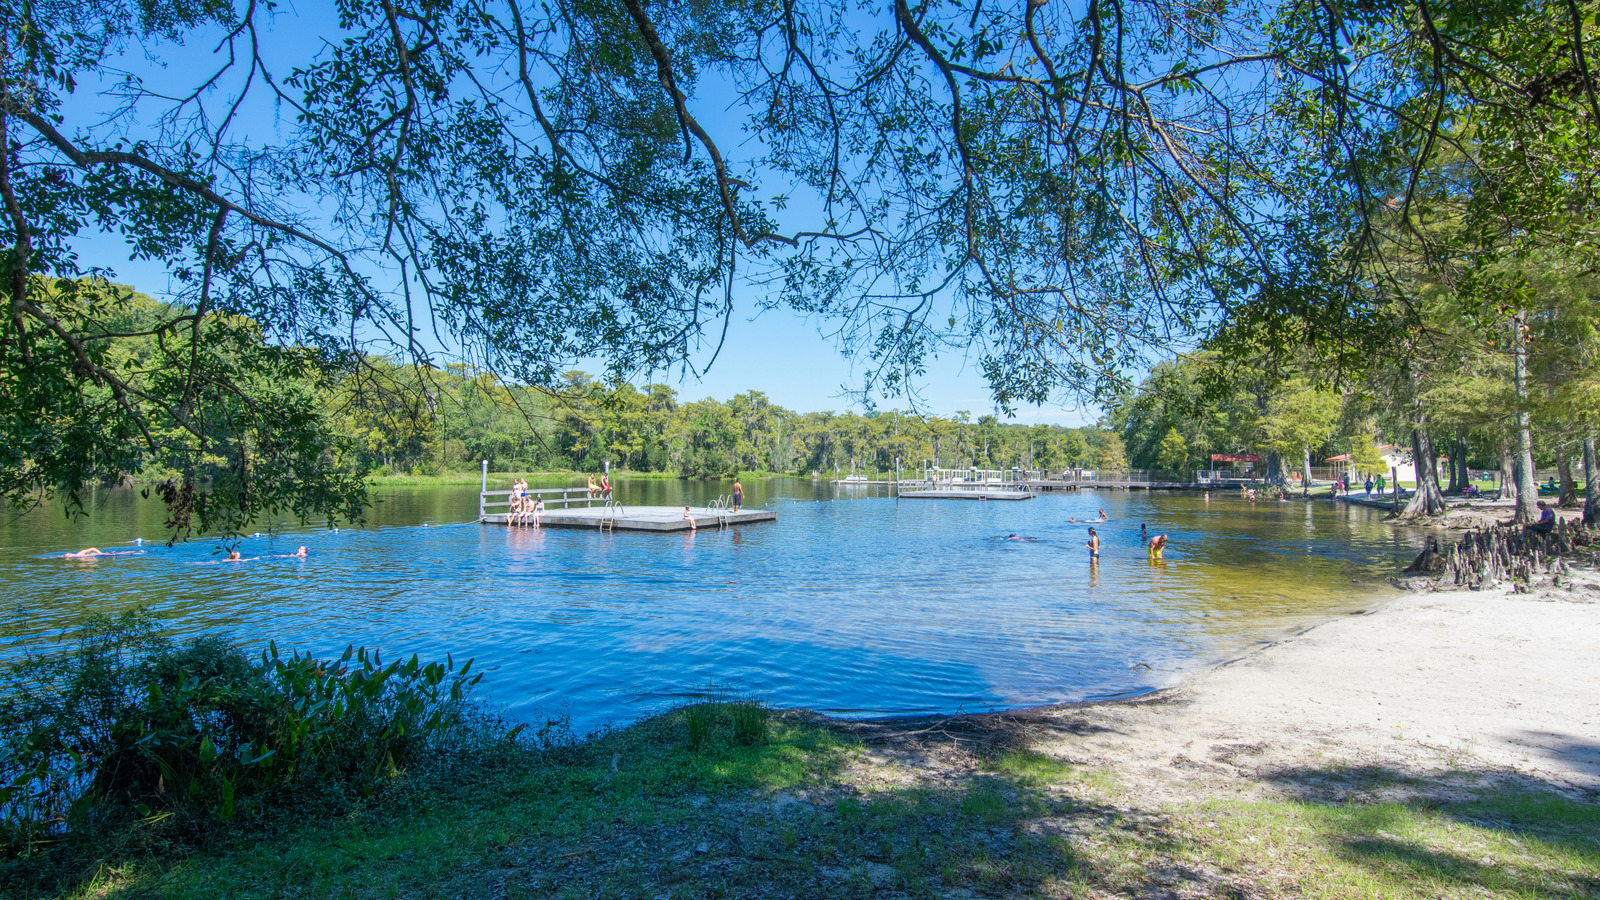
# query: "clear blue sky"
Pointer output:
{"type": "Point", "coordinates": [775, 352]}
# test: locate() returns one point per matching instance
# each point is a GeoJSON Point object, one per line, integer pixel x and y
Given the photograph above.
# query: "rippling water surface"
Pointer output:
{"type": "Point", "coordinates": [851, 603]}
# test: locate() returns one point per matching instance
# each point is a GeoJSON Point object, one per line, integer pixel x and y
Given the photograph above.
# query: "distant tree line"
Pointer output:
{"type": "Point", "coordinates": [470, 416]}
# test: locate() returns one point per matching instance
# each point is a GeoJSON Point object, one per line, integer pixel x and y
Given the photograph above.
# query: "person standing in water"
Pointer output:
{"type": "Point", "coordinates": [1157, 544]}
{"type": "Point", "coordinates": [1094, 546]}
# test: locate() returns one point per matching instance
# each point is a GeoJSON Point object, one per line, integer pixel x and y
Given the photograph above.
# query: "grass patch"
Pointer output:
{"type": "Point", "coordinates": [1502, 845]}
{"type": "Point", "coordinates": [726, 797]}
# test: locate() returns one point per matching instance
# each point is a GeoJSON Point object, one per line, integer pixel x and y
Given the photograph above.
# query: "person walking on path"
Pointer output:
{"type": "Point", "coordinates": [1369, 487]}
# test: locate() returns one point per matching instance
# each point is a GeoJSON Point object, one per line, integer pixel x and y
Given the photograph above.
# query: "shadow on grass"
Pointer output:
{"type": "Point", "coordinates": [952, 807]}
{"type": "Point", "coordinates": [1451, 831]}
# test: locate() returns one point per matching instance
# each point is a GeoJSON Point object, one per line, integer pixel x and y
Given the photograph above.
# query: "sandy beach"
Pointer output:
{"type": "Point", "coordinates": [1463, 688]}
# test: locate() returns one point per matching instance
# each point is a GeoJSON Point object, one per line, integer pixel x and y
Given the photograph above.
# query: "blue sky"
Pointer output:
{"type": "Point", "coordinates": [775, 351]}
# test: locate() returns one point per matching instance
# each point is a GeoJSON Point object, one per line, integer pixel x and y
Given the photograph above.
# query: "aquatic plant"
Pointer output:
{"type": "Point", "coordinates": [744, 719]}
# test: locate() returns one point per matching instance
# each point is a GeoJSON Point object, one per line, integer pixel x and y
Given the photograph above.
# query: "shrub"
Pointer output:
{"type": "Point", "coordinates": [129, 724]}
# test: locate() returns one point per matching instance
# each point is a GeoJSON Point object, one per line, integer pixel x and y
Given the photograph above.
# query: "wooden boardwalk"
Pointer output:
{"type": "Point", "coordinates": [640, 518]}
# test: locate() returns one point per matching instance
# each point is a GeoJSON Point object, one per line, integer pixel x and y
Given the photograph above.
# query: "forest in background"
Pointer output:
{"type": "Point", "coordinates": [397, 418]}
{"type": "Point", "coordinates": [585, 422]}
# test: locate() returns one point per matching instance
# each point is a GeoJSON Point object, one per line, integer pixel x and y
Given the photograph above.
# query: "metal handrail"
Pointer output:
{"type": "Point", "coordinates": [609, 513]}
{"type": "Point", "coordinates": [563, 497]}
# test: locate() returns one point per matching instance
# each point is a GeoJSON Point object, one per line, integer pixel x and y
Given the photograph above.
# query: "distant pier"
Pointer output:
{"type": "Point", "coordinates": [921, 490]}
{"type": "Point", "coordinates": [577, 508]}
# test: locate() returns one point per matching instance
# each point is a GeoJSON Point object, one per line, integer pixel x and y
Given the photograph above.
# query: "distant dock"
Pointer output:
{"type": "Point", "coordinates": [640, 518]}
{"type": "Point", "coordinates": [577, 508]}
{"type": "Point", "coordinates": [973, 492]}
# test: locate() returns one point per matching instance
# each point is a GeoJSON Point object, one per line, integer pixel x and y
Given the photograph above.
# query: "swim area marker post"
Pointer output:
{"type": "Point", "coordinates": [484, 484]}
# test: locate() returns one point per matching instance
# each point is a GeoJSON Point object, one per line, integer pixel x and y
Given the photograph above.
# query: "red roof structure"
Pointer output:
{"type": "Point", "coordinates": [1235, 457]}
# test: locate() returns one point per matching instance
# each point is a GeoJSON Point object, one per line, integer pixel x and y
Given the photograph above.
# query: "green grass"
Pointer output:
{"type": "Point", "coordinates": [1500, 845]}
{"type": "Point", "coordinates": [807, 813]}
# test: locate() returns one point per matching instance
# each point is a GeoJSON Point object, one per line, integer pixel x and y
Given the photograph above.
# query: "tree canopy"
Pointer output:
{"type": "Point", "coordinates": [1065, 190]}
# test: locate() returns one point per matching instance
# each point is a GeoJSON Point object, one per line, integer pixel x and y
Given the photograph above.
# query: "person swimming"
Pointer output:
{"type": "Point", "coordinates": [93, 552]}
{"type": "Point", "coordinates": [301, 553]}
{"type": "Point", "coordinates": [1103, 517]}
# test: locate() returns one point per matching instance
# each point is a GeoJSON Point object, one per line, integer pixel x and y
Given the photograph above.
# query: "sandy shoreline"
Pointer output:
{"type": "Point", "coordinates": [1472, 687]}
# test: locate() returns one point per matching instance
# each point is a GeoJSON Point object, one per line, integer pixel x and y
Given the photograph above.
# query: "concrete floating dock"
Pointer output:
{"type": "Point", "coordinates": [639, 518]}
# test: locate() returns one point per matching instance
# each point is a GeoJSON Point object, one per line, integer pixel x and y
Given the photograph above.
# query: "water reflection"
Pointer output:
{"type": "Point", "coordinates": [867, 605]}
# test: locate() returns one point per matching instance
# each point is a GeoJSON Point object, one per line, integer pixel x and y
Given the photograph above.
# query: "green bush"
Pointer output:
{"type": "Point", "coordinates": [129, 725]}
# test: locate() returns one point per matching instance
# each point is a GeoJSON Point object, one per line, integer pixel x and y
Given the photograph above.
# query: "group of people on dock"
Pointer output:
{"type": "Point", "coordinates": [526, 508]}
{"type": "Point", "coordinates": [601, 488]}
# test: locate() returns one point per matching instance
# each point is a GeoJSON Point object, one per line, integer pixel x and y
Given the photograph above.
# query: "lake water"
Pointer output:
{"type": "Point", "coordinates": [851, 603]}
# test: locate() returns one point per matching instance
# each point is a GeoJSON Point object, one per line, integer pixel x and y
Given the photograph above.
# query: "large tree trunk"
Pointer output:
{"type": "Point", "coordinates": [1508, 473]}
{"type": "Point", "coordinates": [1275, 474]}
{"type": "Point", "coordinates": [1455, 454]}
{"type": "Point", "coordinates": [1591, 484]}
{"type": "Point", "coordinates": [1427, 501]}
{"type": "Point", "coordinates": [1527, 493]}
{"type": "Point", "coordinates": [1305, 471]}
{"type": "Point", "coordinates": [1569, 491]}
{"type": "Point", "coordinates": [1464, 476]}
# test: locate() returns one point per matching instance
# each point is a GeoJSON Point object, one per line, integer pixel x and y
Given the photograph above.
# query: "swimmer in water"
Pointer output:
{"type": "Point", "coordinates": [1103, 516]}
{"type": "Point", "coordinates": [1094, 545]}
{"type": "Point", "coordinates": [1157, 544]}
{"type": "Point", "coordinates": [1144, 531]}
{"type": "Point", "coordinates": [92, 552]}
{"type": "Point", "coordinates": [302, 553]}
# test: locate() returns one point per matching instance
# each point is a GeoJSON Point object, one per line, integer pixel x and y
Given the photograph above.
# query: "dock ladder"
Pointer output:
{"type": "Point", "coordinates": [608, 516]}
{"type": "Point", "coordinates": [719, 508]}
